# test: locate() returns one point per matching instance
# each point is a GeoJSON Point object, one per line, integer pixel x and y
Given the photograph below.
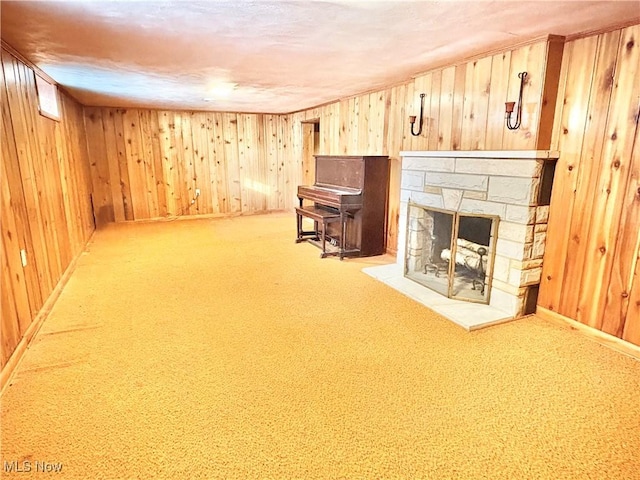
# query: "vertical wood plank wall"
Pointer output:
{"type": "Point", "coordinates": [46, 205]}
{"type": "Point", "coordinates": [591, 269]}
{"type": "Point", "coordinates": [463, 110]}
{"type": "Point", "coordinates": [143, 164]}
{"type": "Point", "coordinates": [581, 99]}
{"type": "Point", "coordinates": [147, 164]}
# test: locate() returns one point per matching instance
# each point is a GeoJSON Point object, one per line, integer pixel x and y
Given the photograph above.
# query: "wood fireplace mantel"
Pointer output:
{"type": "Point", "coordinates": [492, 154]}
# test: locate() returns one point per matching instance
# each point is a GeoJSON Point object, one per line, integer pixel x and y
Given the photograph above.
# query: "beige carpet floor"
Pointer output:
{"type": "Point", "coordinates": [206, 349]}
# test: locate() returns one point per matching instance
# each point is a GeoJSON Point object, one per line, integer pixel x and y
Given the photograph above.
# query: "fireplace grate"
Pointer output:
{"type": "Point", "coordinates": [451, 252]}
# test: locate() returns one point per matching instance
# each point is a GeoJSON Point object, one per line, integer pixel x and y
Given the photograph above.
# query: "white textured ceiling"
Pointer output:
{"type": "Point", "coordinates": [281, 56]}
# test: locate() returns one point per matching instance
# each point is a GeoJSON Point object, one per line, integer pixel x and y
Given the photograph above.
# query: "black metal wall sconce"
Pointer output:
{"type": "Point", "coordinates": [510, 106]}
{"type": "Point", "coordinates": [412, 118]}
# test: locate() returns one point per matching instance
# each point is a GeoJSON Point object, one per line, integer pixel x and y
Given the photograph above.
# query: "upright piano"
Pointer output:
{"type": "Point", "coordinates": [350, 194]}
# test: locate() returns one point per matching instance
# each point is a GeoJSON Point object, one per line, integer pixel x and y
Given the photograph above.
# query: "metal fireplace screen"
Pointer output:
{"type": "Point", "coordinates": [450, 252]}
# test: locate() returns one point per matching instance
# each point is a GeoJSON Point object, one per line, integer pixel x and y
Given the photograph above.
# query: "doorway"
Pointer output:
{"type": "Point", "coordinates": [310, 147]}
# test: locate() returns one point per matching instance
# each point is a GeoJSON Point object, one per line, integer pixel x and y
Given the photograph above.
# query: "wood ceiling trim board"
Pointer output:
{"type": "Point", "coordinates": [62, 90]}
{"type": "Point", "coordinates": [442, 66]}
{"type": "Point", "coordinates": [27, 62]}
{"type": "Point", "coordinates": [610, 28]}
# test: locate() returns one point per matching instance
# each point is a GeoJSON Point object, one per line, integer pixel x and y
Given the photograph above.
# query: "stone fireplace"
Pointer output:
{"type": "Point", "coordinates": [472, 224]}
{"type": "Point", "coordinates": [451, 253]}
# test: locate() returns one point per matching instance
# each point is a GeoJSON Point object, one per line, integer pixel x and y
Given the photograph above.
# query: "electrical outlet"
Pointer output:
{"type": "Point", "coordinates": [197, 192]}
{"type": "Point", "coordinates": [23, 257]}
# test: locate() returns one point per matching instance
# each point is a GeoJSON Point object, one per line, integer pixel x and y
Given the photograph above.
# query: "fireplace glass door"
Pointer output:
{"type": "Point", "coordinates": [450, 252]}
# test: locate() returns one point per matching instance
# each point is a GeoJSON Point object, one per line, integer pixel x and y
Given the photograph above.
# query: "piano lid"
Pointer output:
{"type": "Point", "coordinates": [342, 172]}
{"type": "Point", "coordinates": [332, 189]}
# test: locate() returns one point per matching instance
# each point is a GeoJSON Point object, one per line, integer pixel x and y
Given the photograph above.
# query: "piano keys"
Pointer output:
{"type": "Point", "coordinates": [332, 197]}
{"type": "Point", "coordinates": [355, 188]}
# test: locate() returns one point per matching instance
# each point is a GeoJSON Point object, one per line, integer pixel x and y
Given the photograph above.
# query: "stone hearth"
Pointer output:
{"type": "Point", "coordinates": [511, 185]}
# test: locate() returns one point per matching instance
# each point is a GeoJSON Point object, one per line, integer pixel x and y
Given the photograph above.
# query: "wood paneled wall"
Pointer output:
{"type": "Point", "coordinates": [143, 164]}
{"type": "Point", "coordinates": [46, 204]}
{"type": "Point", "coordinates": [463, 110]}
{"type": "Point", "coordinates": [591, 267]}
{"type": "Point", "coordinates": [148, 164]}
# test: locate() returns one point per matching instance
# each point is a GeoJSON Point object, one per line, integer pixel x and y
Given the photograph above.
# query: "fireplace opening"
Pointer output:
{"type": "Point", "coordinates": [450, 252]}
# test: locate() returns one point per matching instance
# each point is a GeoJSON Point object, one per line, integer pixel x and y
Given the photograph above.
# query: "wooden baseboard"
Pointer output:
{"type": "Point", "coordinates": [602, 338]}
{"type": "Point", "coordinates": [14, 360]}
{"type": "Point", "coordinates": [209, 216]}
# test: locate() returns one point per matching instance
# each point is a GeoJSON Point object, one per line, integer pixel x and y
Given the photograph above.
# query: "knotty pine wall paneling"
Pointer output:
{"type": "Point", "coordinates": [219, 170]}
{"type": "Point", "coordinates": [244, 155]}
{"type": "Point", "coordinates": [291, 162]}
{"type": "Point", "coordinates": [148, 164]}
{"type": "Point", "coordinates": [295, 155]}
{"type": "Point", "coordinates": [272, 157]}
{"type": "Point", "coordinates": [168, 159]}
{"type": "Point", "coordinates": [102, 196]}
{"type": "Point", "coordinates": [46, 199]}
{"type": "Point", "coordinates": [244, 163]}
{"type": "Point", "coordinates": [591, 269]}
{"type": "Point", "coordinates": [463, 110]}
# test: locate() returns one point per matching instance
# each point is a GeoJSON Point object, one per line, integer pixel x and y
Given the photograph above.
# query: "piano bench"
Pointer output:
{"type": "Point", "coordinates": [321, 218]}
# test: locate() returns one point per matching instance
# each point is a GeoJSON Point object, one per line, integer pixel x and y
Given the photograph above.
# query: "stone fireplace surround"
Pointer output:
{"type": "Point", "coordinates": [502, 183]}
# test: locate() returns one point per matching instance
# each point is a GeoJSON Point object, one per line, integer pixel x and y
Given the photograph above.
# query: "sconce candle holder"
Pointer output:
{"type": "Point", "coordinates": [412, 118]}
{"type": "Point", "coordinates": [511, 106]}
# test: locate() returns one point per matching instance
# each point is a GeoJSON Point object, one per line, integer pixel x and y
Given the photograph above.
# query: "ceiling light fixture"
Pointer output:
{"type": "Point", "coordinates": [221, 90]}
{"type": "Point", "coordinates": [510, 106]}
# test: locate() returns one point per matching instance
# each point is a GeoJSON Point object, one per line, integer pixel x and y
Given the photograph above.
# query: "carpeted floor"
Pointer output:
{"type": "Point", "coordinates": [205, 349]}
